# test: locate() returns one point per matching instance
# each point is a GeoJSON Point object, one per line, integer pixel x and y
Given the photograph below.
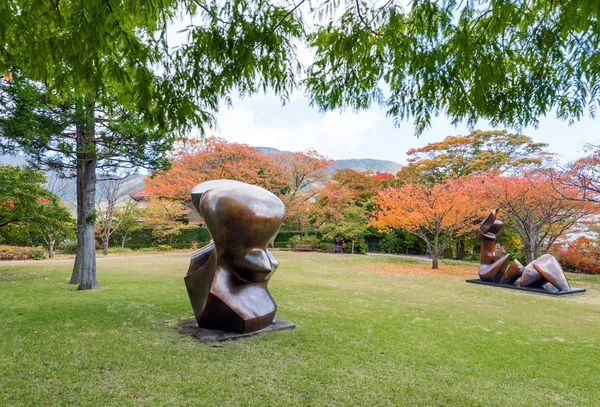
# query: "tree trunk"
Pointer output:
{"type": "Point", "coordinates": [51, 242]}
{"type": "Point", "coordinates": [530, 251]}
{"type": "Point", "coordinates": [435, 252]}
{"type": "Point", "coordinates": [353, 247]}
{"type": "Point", "coordinates": [123, 239]}
{"type": "Point", "coordinates": [84, 270]}
{"type": "Point", "coordinates": [460, 249]}
{"type": "Point", "coordinates": [105, 246]}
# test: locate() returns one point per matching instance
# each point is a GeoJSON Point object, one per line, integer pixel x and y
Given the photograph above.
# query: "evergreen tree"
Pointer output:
{"type": "Point", "coordinates": [102, 88]}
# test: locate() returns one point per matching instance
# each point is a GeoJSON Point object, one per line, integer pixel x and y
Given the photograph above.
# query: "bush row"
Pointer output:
{"type": "Point", "coordinates": [144, 237]}
{"type": "Point", "coordinates": [21, 253]}
{"type": "Point", "coordinates": [581, 255]}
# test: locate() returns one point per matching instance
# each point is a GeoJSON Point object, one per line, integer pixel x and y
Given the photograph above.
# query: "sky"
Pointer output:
{"type": "Point", "coordinates": [261, 120]}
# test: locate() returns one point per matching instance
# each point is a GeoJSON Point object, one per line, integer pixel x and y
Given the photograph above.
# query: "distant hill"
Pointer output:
{"type": "Point", "coordinates": [357, 164]}
{"type": "Point", "coordinates": [366, 164]}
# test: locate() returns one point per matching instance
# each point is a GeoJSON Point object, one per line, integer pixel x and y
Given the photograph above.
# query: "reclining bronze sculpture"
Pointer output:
{"type": "Point", "coordinates": [537, 274]}
{"type": "Point", "coordinates": [227, 279]}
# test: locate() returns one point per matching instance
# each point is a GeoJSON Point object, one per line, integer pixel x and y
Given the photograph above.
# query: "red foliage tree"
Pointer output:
{"type": "Point", "coordinates": [581, 255]}
{"type": "Point", "coordinates": [436, 213]}
{"type": "Point", "coordinates": [534, 208]}
{"type": "Point", "coordinates": [214, 158]}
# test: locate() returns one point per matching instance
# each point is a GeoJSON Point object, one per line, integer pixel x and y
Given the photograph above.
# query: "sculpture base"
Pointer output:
{"type": "Point", "coordinates": [535, 290]}
{"type": "Point", "coordinates": [211, 335]}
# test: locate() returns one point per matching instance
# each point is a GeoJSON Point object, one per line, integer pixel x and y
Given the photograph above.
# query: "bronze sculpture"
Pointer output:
{"type": "Point", "coordinates": [537, 274]}
{"type": "Point", "coordinates": [227, 279]}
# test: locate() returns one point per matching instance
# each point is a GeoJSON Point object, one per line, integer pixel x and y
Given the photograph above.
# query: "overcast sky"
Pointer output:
{"type": "Point", "coordinates": [262, 121]}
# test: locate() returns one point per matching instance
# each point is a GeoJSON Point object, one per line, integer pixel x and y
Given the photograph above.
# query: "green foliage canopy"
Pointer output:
{"type": "Point", "coordinates": [21, 194]}
{"type": "Point", "coordinates": [116, 49]}
{"type": "Point", "coordinates": [30, 214]}
{"type": "Point", "coordinates": [477, 152]}
{"type": "Point", "coordinates": [506, 61]}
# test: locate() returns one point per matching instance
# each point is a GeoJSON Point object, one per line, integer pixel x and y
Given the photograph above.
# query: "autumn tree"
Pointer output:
{"type": "Point", "coordinates": [477, 152]}
{"type": "Point", "coordinates": [196, 161]}
{"type": "Point", "coordinates": [533, 208]}
{"type": "Point", "coordinates": [331, 200]}
{"type": "Point", "coordinates": [111, 60]}
{"type": "Point", "coordinates": [303, 173]}
{"type": "Point", "coordinates": [436, 214]}
{"type": "Point", "coordinates": [361, 185]}
{"type": "Point", "coordinates": [582, 174]}
{"type": "Point", "coordinates": [20, 193]}
{"type": "Point", "coordinates": [166, 217]}
{"type": "Point", "coordinates": [509, 62]}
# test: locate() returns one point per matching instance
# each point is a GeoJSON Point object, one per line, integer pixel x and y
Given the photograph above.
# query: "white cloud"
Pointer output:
{"type": "Point", "coordinates": [332, 133]}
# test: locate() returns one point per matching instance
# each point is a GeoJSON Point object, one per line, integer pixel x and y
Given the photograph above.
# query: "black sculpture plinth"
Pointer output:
{"type": "Point", "coordinates": [213, 335]}
{"type": "Point", "coordinates": [547, 289]}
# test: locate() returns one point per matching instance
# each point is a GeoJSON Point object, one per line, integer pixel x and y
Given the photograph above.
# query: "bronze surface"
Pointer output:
{"type": "Point", "coordinates": [545, 269]}
{"type": "Point", "coordinates": [490, 268]}
{"type": "Point", "coordinates": [227, 279]}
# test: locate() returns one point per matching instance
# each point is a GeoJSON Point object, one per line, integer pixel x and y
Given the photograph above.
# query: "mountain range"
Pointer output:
{"type": "Point", "coordinates": [357, 164]}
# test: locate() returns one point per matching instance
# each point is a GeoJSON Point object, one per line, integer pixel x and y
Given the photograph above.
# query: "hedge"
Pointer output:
{"type": "Point", "coordinates": [183, 239]}
{"type": "Point", "coordinates": [21, 253]}
{"type": "Point", "coordinates": [285, 235]}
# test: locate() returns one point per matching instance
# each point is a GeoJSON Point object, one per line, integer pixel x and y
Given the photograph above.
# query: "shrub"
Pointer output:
{"type": "Point", "coordinates": [311, 240]}
{"type": "Point", "coordinates": [38, 253]}
{"type": "Point", "coordinates": [581, 255]}
{"type": "Point", "coordinates": [70, 246]}
{"type": "Point", "coordinates": [448, 253]}
{"type": "Point", "coordinates": [163, 247]}
{"type": "Point", "coordinates": [21, 253]}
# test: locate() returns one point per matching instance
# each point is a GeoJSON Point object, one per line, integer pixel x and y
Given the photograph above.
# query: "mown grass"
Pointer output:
{"type": "Point", "coordinates": [371, 331]}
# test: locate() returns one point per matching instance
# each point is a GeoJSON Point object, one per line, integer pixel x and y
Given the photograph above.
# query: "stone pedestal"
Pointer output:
{"type": "Point", "coordinates": [547, 289]}
{"type": "Point", "coordinates": [212, 335]}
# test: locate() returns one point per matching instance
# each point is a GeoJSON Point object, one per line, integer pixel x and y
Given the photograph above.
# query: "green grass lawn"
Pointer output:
{"type": "Point", "coordinates": [363, 337]}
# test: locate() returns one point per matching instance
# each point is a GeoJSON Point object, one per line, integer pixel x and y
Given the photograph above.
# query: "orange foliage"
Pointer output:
{"type": "Point", "coordinates": [302, 174]}
{"type": "Point", "coordinates": [435, 213]}
{"type": "Point", "coordinates": [361, 184]}
{"type": "Point", "coordinates": [294, 178]}
{"type": "Point", "coordinates": [535, 208]}
{"type": "Point", "coordinates": [214, 158]}
{"type": "Point", "coordinates": [332, 200]}
{"type": "Point", "coordinates": [475, 153]}
{"type": "Point", "coordinates": [581, 255]}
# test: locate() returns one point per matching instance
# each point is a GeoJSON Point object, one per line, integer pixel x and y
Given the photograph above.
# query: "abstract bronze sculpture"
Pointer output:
{"type": "Point", "coordinates": [543, 274]}
{"type": "Point", "coordinates": [227, 279]}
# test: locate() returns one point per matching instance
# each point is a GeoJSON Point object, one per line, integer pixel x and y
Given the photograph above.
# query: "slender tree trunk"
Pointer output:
{"type": "Point", "coordinates": [84, 270]}
{"type": "Point", "coordinates": [435, 253]}
{"type": "Point", "coordinates": [123, 239]}
{"type": "Point", "coordinates": [530, 251]}
{"type": "Point", "coordinates": [460, 249]}
{"type": "Point", "coordinates": [105, 242]}
{"type": "Point", "coordinates": [353, 247]}
{"type": "Point", "coordinates": [51, 242]}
